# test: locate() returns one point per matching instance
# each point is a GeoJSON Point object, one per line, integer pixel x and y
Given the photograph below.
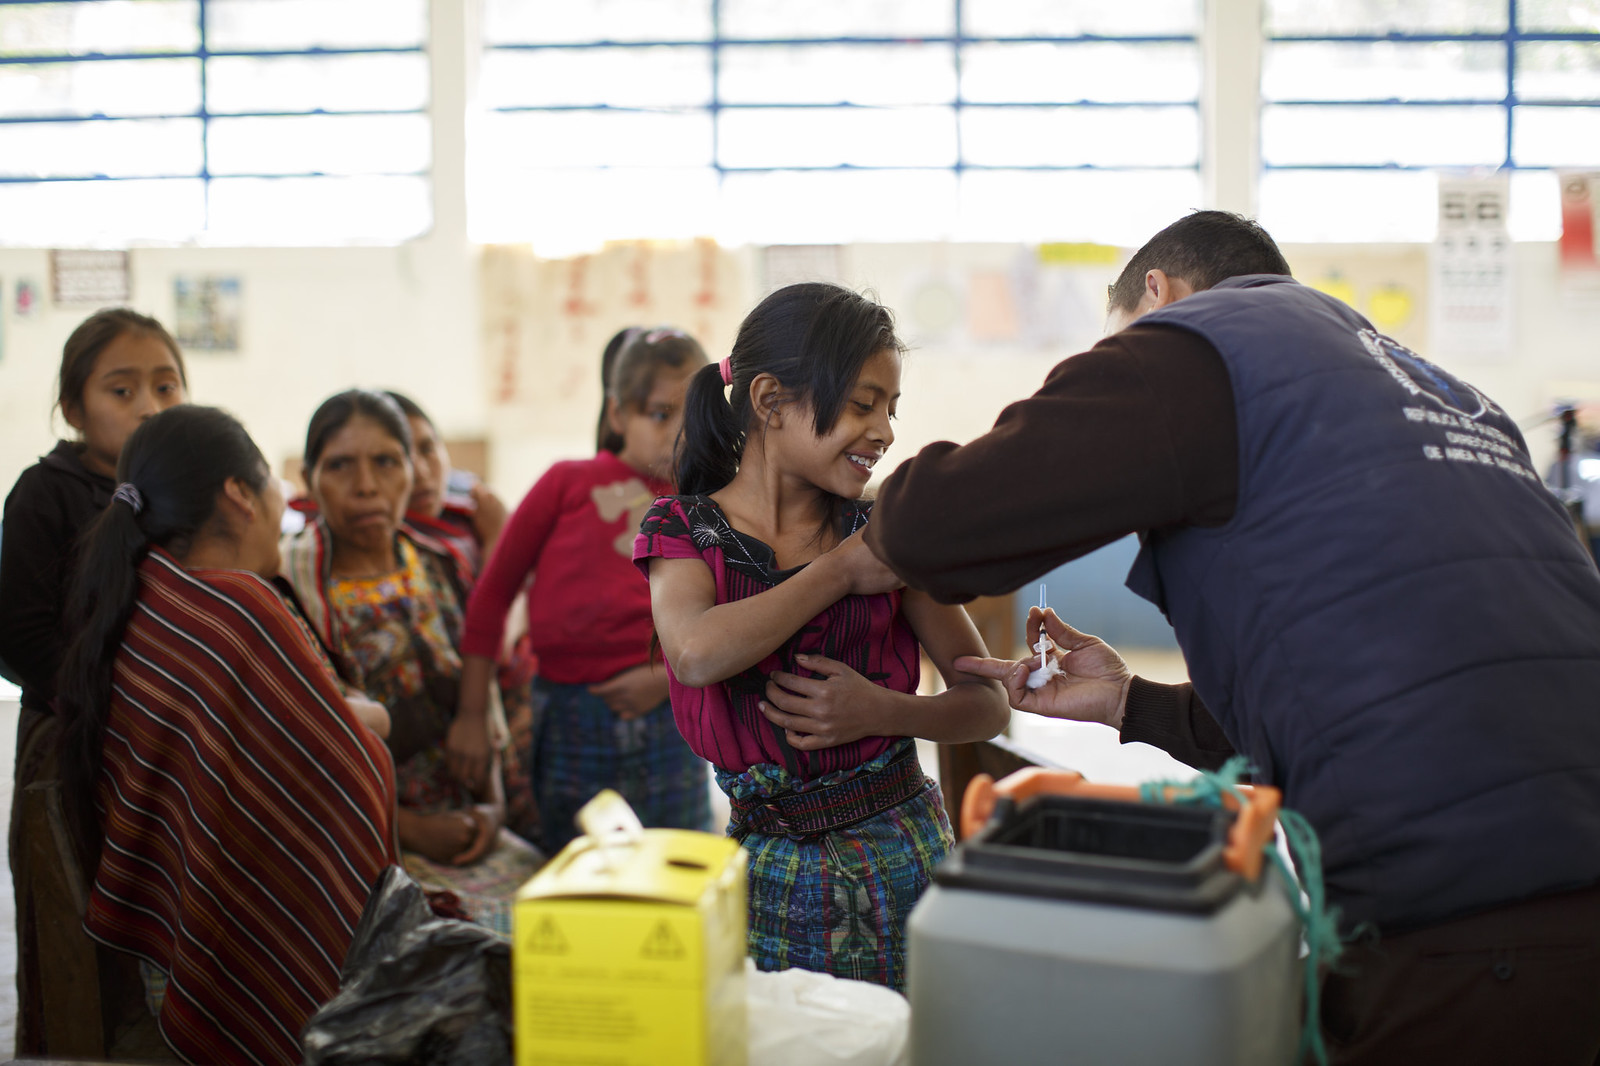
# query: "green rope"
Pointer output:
{"type": "Point", "coordinates": [1320, 925]}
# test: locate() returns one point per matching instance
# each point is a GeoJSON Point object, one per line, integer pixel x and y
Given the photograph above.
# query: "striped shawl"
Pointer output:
{"type": "Point", "coordinates": [247, 813]}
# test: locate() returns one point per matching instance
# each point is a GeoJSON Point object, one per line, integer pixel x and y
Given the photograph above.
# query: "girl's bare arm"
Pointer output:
{"type": "Point", "coordinates": [970, 708]}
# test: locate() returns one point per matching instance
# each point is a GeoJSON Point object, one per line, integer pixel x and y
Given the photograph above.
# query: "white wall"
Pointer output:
{"type": "Point", "coordinates": [956, 387]}
{"type": "Point", "coordinates": [1558, 347]}
{"type": "Point", "coordinates": [320, 320]}
{"type": "Point", "coordinates": [314, 321]}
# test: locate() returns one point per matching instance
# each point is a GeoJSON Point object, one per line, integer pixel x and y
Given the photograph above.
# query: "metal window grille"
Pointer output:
{"type": "Point", "coordinates": [948, 125]}
{"type": "Point", "coordinates": [187, 136]}
{"type": "Point", "coordinates": [1514, 37]}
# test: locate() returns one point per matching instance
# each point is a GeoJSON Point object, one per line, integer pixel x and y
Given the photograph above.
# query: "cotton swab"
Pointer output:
{"type": "Point", "coordinates": [1048, 667]}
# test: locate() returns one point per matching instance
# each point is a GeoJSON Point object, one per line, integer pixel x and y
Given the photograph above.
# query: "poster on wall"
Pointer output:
{"type": "Point", "coordinates": [1473, 288]}
{"type": "Point", "coordinates": [992, 316]}
{"type": "Point", "coordinates": [205, 312]}
{"type": "Point", "coordinates": [1580, 226]}
{"type": "Point", "coordinates": [89, 277]}
{"type": "Point", "coordinates": [1387, 284]}
{"type": "Point", "coordinates": [27, 298]}
{"type": "Point", "coordinates": [547, 320]}
{"type": "Point", "coordinates": [1580, 206]}
{"type": "Point", "coordinates": [1061, 293]}
{"type": "Point", "coordinates": [936, 308]}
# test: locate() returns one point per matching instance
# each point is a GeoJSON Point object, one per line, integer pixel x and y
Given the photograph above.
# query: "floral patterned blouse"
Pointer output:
{"type": "Point", "coordinates": [400, 633]}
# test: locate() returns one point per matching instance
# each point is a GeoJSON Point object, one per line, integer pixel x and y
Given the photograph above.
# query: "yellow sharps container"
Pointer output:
{"type": "Point", "coordinates": [629, 947]}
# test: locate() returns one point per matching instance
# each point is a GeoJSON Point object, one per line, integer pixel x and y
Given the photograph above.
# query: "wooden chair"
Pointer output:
{"type": "Point", "coordinates": [88, 998]}
{"type": "Point", "coordinates": [959, 763]}
{"type": "Point", "coordinates": [995, 617]}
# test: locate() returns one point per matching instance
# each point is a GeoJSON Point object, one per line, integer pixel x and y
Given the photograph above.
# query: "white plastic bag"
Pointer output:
{"type": "Point", "coordinates": [800, 1018]}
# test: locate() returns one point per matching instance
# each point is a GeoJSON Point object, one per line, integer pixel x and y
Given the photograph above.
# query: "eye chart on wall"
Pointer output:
{"type": "Point", "coordinates": [1472, 278]}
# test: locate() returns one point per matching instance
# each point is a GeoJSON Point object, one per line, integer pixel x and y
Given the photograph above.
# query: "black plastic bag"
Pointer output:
{"type": "Point", "coordinates": [415, 989]}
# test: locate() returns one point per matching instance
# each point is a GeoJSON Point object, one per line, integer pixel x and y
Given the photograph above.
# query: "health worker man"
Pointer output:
{"type": "Point", "coordinates": [1380, 605]}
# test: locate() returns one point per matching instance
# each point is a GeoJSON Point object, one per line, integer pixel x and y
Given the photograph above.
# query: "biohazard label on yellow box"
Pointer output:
{"type": "Point", "coordinates": [633, 954]}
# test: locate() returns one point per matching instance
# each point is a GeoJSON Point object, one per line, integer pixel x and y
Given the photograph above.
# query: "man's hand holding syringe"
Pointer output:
{"type": "Point", "coordinates": [1085, 681]}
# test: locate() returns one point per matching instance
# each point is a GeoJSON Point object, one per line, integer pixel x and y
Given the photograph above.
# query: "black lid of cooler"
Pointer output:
{"type": "Point", "coordinates": [1099, 851]}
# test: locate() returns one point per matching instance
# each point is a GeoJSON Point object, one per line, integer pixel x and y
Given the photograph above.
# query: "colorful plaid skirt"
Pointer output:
{"type": "Point", "coordinates": [581, 746]}
{"type": "Point", "coordinates": [523, 707]}
{"type": "Point", "coordinates": [837, 901]}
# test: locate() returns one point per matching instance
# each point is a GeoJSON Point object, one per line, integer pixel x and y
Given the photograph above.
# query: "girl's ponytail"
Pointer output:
{"type": "Point", "coordinates": [101, 601]}
{"type": "Point", "coordinates": [171, 471]}
{"type": "Point", "coordinates": [712, 438]}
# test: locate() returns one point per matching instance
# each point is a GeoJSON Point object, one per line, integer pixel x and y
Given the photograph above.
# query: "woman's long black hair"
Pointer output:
{"type": "Point", "coordinates": [814, 338]}
{"type": "Point", "coordinates": [178, 462]}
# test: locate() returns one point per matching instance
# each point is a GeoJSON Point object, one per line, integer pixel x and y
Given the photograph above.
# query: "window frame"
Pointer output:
{"type": "Point", "coordinates": [1509, 102]}
{"type": "Point", "coordinates": [203, 113]}
{"type": "Point", "coordinates": [957, 40]}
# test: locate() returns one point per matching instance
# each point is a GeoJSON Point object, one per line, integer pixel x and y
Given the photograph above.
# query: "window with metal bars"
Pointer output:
{"type": "Point", "coordinates": [770, 121]}
{"type": "Point", "coordinates": [213, 121]}
{"type": "Point", "coordinates": [1363, 103]}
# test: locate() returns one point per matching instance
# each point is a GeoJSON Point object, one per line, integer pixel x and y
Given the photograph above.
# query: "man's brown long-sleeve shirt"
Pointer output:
{"type": "Point", "coordinates": [1136, 434]}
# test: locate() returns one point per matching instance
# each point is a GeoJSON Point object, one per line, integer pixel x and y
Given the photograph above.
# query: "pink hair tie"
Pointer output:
{"type": "Point", "coordinates": [726, 366]}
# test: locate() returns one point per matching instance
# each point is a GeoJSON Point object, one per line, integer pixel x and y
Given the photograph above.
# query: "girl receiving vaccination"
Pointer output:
{"type": "Point", "coordinates": [606, 721]}
{"type": "Point", "coordinates": [792, 651]}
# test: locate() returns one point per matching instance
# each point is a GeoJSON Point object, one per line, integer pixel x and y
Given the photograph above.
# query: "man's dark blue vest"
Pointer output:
{"type": "Point", "coordinates": [1398, 625]}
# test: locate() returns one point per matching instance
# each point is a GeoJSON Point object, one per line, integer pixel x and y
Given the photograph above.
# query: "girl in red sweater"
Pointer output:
{"type": "Point", "coordinates": [606, 721]}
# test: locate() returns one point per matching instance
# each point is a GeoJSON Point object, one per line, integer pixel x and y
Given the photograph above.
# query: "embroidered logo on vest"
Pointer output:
{"type": "Point", "coordinates": [1421, 378]}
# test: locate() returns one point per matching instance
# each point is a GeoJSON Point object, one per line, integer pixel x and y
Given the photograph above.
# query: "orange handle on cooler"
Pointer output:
{"type": "Point", "coordinates": [1251, 832]}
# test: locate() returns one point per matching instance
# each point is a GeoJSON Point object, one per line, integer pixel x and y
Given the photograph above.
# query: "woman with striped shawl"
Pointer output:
{"type": "Point", "coordinates": [239, 802]}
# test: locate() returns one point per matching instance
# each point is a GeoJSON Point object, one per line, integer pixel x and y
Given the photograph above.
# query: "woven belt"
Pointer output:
{"type": "Point", "coordinates": [804, 815]}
